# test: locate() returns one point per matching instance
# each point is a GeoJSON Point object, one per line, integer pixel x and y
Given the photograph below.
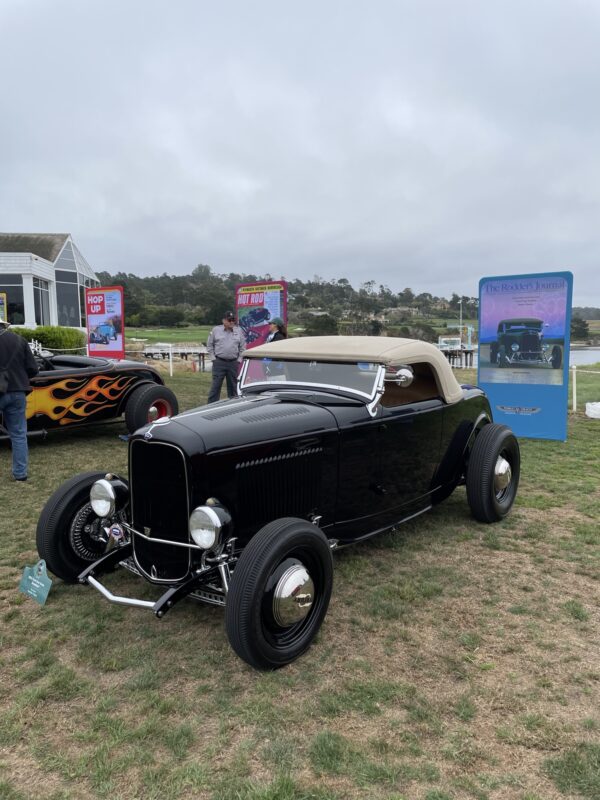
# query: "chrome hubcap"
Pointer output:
{"type": "Point", "coordinates": [293, 596]}
{"type": "Point", "coordinates": [502, 475]}
{"type": "Point", "coordinates": [152, 413]}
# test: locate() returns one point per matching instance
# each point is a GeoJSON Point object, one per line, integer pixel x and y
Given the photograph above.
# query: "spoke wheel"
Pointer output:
{"type": "Point", "coordinates": [279, 593]}
{"type": "Point", "coordinates": [86, 535]}
{"type": "Point", "coordinates": [69, 535]}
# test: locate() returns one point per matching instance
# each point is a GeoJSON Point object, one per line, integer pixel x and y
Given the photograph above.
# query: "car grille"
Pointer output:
{"type": "Point", "coordinates": [160, 509]}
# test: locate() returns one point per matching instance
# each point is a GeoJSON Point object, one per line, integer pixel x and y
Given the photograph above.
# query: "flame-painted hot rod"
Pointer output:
{"type": "Point", "coordinates": [241, 503]}
{"type": "Point", "coordinates": [72, 390]}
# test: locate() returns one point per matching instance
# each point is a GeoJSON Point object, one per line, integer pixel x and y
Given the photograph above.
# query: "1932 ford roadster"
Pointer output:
{"type": "Point", "coordinates": [241, 503]}
{"type": "Point", "coordinates": [521, 342]}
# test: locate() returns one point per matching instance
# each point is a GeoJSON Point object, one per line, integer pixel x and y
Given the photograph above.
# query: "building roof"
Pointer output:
{"type": "Point", "coordinates": [44, 245]}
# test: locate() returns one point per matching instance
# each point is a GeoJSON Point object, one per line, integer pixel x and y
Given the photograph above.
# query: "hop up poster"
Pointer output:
{"type": "Point", "coordinates": [256, 305]}
{"type": "Point", "coordinates": [524, 337]}
{"type": "Point", "coordinates": [104, 321]}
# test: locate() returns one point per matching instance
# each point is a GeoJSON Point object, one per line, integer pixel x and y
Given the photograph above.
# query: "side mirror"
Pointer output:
{"type": "Point", "coordinates": [404, 376]}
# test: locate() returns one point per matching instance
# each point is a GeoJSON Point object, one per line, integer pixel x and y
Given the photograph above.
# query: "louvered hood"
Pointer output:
{"type": "Point", "coordinates": [249, 421]}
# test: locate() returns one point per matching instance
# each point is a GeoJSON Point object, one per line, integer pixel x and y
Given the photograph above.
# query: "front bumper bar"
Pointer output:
{"type": "Point", "coordinates": [160, 607]}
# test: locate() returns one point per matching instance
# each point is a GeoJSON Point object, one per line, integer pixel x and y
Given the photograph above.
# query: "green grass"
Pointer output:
{"type": "Point", "coordinates": [195, 334]}
{"type": "Point", "coordinates": [457, 660]}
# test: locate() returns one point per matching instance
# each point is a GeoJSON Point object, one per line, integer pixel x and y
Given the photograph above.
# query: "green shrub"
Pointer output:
{"type": "Point", "coordinates": [53, 337]}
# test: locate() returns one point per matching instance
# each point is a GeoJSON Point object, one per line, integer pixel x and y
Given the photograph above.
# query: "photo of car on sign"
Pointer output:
{"type": "Point", "coordinates": [521, 342]}
{"type": "Point", "coordinates": [242, 503]}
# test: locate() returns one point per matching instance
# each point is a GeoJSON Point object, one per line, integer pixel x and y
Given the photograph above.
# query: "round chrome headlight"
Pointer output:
{"type": "Point", "coordinates": [514, 347]}
{"type": "Point", "coordinates": [102, 498]}
{"type": "Point", "coordinates": [206, 526]}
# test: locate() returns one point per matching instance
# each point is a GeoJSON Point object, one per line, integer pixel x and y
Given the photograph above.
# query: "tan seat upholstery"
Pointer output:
{"type": "Point", "coordinates": [423, 387]}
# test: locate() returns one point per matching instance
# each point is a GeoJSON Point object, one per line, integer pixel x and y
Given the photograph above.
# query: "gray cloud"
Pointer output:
{"type": "Point", "coordinates": [417, 144]}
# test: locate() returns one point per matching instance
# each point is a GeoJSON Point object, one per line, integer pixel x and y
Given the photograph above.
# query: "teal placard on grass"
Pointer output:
{"type": "Point", "coordinates": [36, 583]}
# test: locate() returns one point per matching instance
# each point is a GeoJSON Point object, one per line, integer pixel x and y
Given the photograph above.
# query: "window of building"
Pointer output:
{"type": "Point", "coordinates": [82, 306]}
{"type": "Point", "coordinates": [66, 260]}
{"type": "Point", "coordinates": [67, 302]}
{"type": "Point", "coordinates": [66, 277]}
{"type": "Point", "coordinates": [41, 301]}
{"type": "Point", "coordinates": [14, 299]}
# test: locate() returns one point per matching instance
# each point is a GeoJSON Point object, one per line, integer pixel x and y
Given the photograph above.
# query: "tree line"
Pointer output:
{"type": "Point", "coordinates": [201, 297]}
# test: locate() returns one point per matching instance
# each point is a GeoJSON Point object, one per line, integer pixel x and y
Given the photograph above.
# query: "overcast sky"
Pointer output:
{"type": "Point", "coordinates": [411, 142]}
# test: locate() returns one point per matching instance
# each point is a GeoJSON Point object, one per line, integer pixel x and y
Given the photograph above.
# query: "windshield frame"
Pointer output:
{"type": "Point", "coordinates": [269, 385]}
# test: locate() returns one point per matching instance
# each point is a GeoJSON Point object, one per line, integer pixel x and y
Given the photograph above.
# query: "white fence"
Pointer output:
{"type": "Point", "coordinates": [575, 371]}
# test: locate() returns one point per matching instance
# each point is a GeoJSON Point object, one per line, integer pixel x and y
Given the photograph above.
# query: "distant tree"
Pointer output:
{"type": "Point", "coordinates": [423, 331]}
{"type": "Point", "coordinates": [406, 297]}
{"type": "Point", "coordinates": [579, 329]}
{"type": "Point", "coordinates": [586, 312]}
{"type": "Point", "coordinates": [323, 325]}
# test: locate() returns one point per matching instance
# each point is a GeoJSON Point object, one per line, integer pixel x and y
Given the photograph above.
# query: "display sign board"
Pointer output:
{"type": "Point", "coordinates": [3, 307]}
{"type": "Point", "coordinates": [105, 321]}
{"type": "Point", "coordinates": [256, 304]}
{"type": "Point", "coordinates": [524, 337]}
{"type": "Point", "coordinates": [36, 583]}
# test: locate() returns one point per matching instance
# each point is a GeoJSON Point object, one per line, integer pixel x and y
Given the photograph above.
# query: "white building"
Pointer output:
{"type": "Point", "coordinates": [44, 276]}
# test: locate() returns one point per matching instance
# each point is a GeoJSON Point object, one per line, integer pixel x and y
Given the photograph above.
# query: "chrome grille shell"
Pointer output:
{"type": "Point", "coordinates": [158, 479]}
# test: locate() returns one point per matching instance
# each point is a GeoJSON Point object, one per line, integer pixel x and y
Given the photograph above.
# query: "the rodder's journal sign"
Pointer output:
{"type": "Point", "coordinates": [524, 337]}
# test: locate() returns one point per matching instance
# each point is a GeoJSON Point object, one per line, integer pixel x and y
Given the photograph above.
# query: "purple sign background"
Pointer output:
{"type": "Point", "coordinates": [542, 297]}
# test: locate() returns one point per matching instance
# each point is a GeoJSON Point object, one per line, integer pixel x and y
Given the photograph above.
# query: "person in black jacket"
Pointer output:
{"type": "Point", "coordinates": [17, 360]}
{"type": "Point", "coordinates": [277, 330]}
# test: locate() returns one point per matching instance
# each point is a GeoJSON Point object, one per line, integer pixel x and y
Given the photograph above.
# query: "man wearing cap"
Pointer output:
{"type": "Point", "coordinates": [225, 346]}
{"type": "Point", "coordinates": [17, 364]}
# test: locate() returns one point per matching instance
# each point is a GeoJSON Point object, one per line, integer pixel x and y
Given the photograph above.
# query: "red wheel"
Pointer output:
{"type": "Point", "coordinates": [148, 403]}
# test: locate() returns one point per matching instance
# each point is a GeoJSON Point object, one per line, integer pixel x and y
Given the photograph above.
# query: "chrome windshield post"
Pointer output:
{"type": "Point", "coordinates": [379, 387]}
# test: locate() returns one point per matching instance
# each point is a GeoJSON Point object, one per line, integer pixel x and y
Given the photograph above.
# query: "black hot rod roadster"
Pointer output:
{"type": "Point", "coordinates": [241, 503]}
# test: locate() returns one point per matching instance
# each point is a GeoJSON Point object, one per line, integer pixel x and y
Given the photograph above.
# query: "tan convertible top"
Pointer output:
{"type": "Point", "coordinates": [387, 350]}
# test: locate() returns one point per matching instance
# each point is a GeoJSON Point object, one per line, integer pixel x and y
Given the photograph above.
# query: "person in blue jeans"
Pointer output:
{"type": "Point", "coordinates": [18, 363]}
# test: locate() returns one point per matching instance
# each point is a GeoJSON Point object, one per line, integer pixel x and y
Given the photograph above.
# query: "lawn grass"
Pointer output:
{"type": "Point", "coordinates": [193, 334]}
{"type": "Point", "coordinates": [457, 660]}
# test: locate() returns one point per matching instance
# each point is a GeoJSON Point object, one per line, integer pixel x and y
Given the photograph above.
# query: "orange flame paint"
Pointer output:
{"type": "Point", "coordinates": [74, 399]}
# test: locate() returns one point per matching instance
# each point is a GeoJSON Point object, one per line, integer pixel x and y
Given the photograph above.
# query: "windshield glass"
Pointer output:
{"type": "Point", "coordinates": [359, 377]}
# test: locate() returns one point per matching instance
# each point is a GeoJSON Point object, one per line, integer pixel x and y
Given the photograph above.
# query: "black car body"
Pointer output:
{"type": "Point", "coordinates": [74, 390]}
{"type": "Point", "coordinates": [521, 341]}
{"type": "Point", "coordinates": [240, 503]}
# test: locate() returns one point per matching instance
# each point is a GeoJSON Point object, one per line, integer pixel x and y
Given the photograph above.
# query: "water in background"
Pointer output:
{"type": "Point", "coordinates": [589, 355]}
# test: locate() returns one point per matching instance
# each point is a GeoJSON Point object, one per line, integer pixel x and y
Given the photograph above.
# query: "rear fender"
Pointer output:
{"type": "Point", "coordinates": [482, 420]}
{"type": "Point", "coordinates": [143, 382]}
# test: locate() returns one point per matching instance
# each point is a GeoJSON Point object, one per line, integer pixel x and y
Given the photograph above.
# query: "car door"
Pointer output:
{"type": "Point", "coordinates": [360, 497]}
{"type": "Point", "coordinates": [410, 433]}
{"type": "Point", "coordinates": [409, 448]}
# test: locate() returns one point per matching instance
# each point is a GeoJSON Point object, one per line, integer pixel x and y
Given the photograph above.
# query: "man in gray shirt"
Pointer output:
{"type": "Point", "coordinates": [225, 346]}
